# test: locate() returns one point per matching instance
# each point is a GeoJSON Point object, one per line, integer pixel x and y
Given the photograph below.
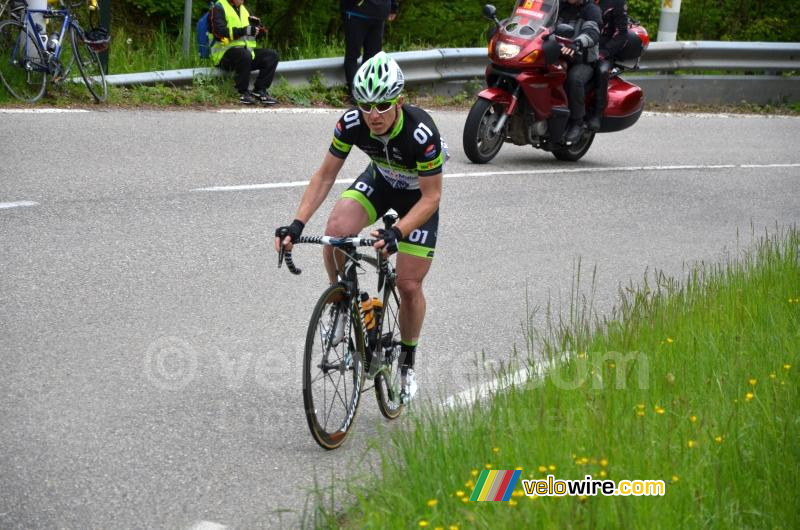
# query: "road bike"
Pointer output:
{"type": "Point", "coordinates": [344, 346]}
{"type": "Point", "coordinates": [30, 52]}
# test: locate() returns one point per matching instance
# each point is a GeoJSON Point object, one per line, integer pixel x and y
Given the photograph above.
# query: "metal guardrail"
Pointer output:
{"type": "Point", "coordinates": [462, 64]}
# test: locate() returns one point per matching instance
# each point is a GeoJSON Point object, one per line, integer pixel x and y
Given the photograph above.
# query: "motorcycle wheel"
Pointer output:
{"type": "Point", "coordinates": [572, 153]}
{"type": "Point", "coordinates": [480, 144]}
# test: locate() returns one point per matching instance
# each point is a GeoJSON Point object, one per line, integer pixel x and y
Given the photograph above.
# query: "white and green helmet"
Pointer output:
{"type": "Point", "coordinates": [379, 79]}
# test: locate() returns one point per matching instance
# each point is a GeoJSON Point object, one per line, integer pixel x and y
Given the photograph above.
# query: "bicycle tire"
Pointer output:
{"type": "Point", "coordinates": [336, 370]}
{"type": "Point", "coordinates": [387, 380]}
{"type": "Point", "coordinates": [89, 65]}
{"type": "Point", "coordinates": [23, 65]}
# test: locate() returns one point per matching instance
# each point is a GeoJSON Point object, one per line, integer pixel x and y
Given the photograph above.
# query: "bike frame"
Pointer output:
{"type": "Point", "coordinates": [30, 27]}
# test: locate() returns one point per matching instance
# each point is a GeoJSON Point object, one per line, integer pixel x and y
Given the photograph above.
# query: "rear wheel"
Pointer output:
{"type": "Point", "coordinates": [387, 351]}
{"type": "Point", "coordinates": [90, 66]}
{"type": "Point", "coordinates": [333, 373]}
{"type": "Point", "coordinates": [574, 152]}
{"type": "Point", "coordinates": [23, 65]}
{"type": "Point", "coordinates": [481, 144]}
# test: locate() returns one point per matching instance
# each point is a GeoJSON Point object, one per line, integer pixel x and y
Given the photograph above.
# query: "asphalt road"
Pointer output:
{"type": "Point", "coordinates": [151, 351]}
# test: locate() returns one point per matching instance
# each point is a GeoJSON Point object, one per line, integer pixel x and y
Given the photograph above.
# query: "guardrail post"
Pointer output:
{"type": "Point", "coordinates": [668, 24]}
{"type": "Point", "coordinates": [105, 22]}
{"type": "Point", "coordinates": [187, 26]}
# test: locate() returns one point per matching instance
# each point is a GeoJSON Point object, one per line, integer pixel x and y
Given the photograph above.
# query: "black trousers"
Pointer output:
{"type": "Point", "coordinates": [239, 61]}
{"type": "Point", "coordinates": [360, 33]}
{"type": "Point", "coordinates": [578, 77]}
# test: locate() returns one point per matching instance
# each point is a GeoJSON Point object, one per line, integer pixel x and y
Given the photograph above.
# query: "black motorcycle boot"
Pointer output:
{"type": "Point", "coordinates": [594, 122]}
{"type": "Point", "coordinates": [574, 131]}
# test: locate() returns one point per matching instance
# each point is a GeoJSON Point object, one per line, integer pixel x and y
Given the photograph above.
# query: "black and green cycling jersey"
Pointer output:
{"type": "Point", "coordinates": [411, 150]}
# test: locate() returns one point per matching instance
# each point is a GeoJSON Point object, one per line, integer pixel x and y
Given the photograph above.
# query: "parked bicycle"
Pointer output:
{"type": "Point", "coordinates": [345, 345]}
{"type": "Point", "coordinates": [30, 52]}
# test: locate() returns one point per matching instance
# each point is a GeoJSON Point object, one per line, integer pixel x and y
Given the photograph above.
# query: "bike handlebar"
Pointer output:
{"type": "Point", "coordinates": [355, 241]}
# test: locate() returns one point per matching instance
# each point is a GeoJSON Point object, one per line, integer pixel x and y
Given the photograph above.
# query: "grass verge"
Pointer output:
{"type": "Point", "coordinates": [691, 382]}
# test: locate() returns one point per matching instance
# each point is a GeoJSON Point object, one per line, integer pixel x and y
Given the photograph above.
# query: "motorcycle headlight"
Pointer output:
{"type": "Point", "coordinates": [506, 50]}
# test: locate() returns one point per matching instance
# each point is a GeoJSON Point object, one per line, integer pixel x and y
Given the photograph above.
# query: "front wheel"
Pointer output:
{"type": "Point", "coordinates": [333, 369]}
{"type": "Point", "coordinates": [387, 352]}
{"type": "Point", "coordinates": [481, 144]}
{"type": "Point", "coordinates": [23, 65]}
{"type": "Point", "coordinates": [90, 66]}
{"type": "Point", "coordinates": [573, 153]}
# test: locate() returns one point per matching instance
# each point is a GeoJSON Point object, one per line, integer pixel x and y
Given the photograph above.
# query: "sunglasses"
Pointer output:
{"type": "Point", "coordinates": [381, 107]}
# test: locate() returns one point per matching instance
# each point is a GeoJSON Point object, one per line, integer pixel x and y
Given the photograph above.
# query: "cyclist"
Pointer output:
{"type": "Point", "coordinates": [404, 173]}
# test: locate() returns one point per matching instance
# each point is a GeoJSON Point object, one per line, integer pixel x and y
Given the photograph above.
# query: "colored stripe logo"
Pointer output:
{"type": "Point", "coordinates": [495, 485]}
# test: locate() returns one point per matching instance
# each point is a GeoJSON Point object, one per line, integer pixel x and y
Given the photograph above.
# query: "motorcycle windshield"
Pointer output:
{"type": "Point", "coordinates": [530, 18]}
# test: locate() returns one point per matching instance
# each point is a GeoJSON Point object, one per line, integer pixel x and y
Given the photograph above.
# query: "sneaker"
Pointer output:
{"type": "Point", "coordinates": [336, 333]}
{"type": "Point", "coordinates": [574, 131]}
{"type": "Point", "coordinates": [246, 98]}
{"type": "Point", "coordinates": [264, 97]}
{"type": "Point", "coordinates": [408, 385]}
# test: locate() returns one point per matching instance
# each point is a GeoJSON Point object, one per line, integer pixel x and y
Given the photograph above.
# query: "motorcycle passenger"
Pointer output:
{"type": "Point", "coordinates": [613, 38]}
{"type": "Point", "coordinates": [585, 17]}
{"type": "Point", "coordinates": [404, 173]}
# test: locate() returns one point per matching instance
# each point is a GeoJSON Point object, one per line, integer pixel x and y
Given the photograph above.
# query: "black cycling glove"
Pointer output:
{"type": "Point", "coordinates": [390, 238]}
{"type": "Point", "coordinates": [293, 230]}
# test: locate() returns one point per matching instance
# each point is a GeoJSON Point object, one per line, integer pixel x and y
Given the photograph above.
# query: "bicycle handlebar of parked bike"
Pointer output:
{"type": "Point", "coordinates": [286, 255]}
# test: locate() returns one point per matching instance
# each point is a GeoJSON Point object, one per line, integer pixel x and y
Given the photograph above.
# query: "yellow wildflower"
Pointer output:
{"type": "Point", "coordinates": [719, 439]}
{"type": "Point", "coordinates": [659, 410]}
{"type": "Point", "coordinates": [542, 469]}
{"type": "Point", "coordinates": [640, 413]}
{"type": "Point", "coordinates": [787, 366]}
{"type": "Point", "coordinates": [432, 502]}
{"type": "Point", "coordinates": [748, 396]}
{"type": "Point", "coordinates": [551, 467]}
{"type": "Point", "coordinates": [495, 449]}
{"type": "Point", "coordinates": [583, 498]}
{"type": "Point", "coordinates": [670, 340]}
{"type": "Point", "coordinates": [603, 473]}
{"type": "Point", "coordinates": [753, 382]}
{"type": "Point", "coordinates": [464, 500]}
{"type": "Point", "coordinates": [612, 365]}
{"type": "Point", "coordinates": [675, 479]}
{"type": "Point", "coordinates": [773, 375]}
{"type": "Point", "coordinates": [604, 462]}
{"type": "Point", "coordinates": [474, 472]}
{"type": "Point", "coordinates": [693, 419]}
{"type": "Point", "coordinates": [423, 523]}
{"type": "Point", "coordinates": [459, 493]}
{"type": "Point", "coordinates": [487, 466]}
{"type": "Point", "coordinates": [691, 443]}
{"type": "Point", "coordinates": [453, 527]}
{"type": "Point", "coordinates": [512, 502]}
{"type": "Point", "coordinates": [518, 468]}
{"type": "Point", "coordinates": [517, 493]}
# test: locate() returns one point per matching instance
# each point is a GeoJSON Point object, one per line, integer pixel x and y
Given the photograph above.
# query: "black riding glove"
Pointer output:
{"type": "Point", "coordinates": [577, 46]}
{"type": "Point", "coordinates": [252, 30]}
{"type": "Point", "coordinates": [293, 230]}
{"type": "Point", "coordinates": [390, 239]}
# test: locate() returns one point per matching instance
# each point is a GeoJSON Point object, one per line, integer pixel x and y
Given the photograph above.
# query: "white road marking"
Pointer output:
{"type": "Point", "coordinates": [207, 525]}
{"type": "Point", "coordinates": [17, 204]}
{"type": "Point", "coordinates": [297, 183]}
{"type": "Point", "coordinates": [40, 111]}
{"type": "Point", "coordinates": [280, 110]}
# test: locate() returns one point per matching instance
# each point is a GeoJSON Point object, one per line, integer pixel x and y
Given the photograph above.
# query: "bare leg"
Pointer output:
{"type": "Point", "coordinates": [347, 218]}
{"type": "Point", "coordinates": [411, 270]}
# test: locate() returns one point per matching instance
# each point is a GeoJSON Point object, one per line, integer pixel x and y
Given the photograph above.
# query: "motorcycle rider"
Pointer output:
{"type": "Point", "coordinates": [585, 17]}
{"type": "Point", "coordinates": [613, 38]}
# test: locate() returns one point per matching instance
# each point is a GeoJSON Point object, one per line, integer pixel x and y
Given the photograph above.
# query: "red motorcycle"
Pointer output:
{"type": "Point", "coordinates": [525, 102]}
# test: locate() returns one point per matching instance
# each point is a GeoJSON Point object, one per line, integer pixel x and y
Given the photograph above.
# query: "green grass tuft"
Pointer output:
{"type": "Point", "coordinates": [692, 382]}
